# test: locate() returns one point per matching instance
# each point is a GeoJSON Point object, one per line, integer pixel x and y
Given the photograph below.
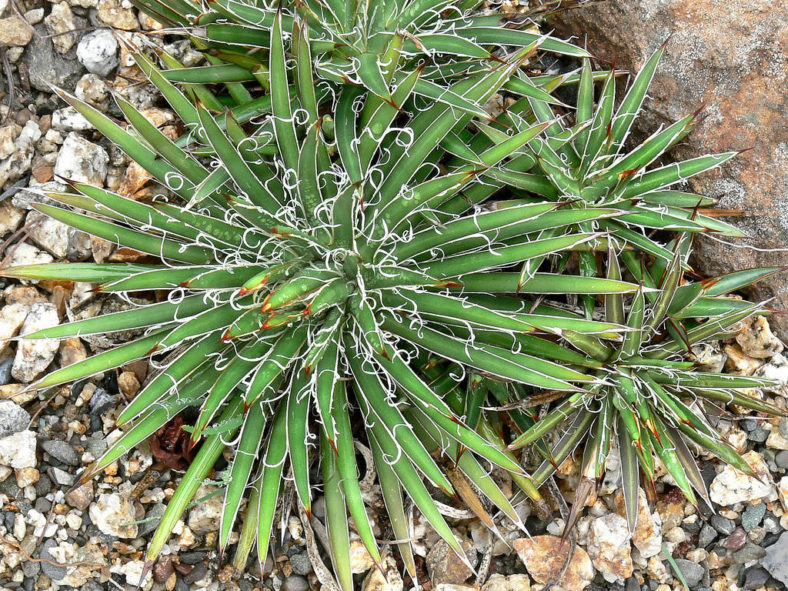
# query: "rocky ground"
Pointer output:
{"type": "Point", "coordinates": [94, 537]}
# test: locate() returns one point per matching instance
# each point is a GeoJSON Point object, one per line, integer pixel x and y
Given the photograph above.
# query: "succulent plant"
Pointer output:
{"type": "Point", "coordinates": [650, 400]}
{"type": "Point", "coordinates": [328, 264]}
{"type": "Point", "coordinates": [292, 283]}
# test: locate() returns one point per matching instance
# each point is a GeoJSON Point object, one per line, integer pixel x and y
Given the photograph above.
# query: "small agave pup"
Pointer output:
{"type": "Point", "coordinates": [304, 273]}
{"type": "Point", "coordinates": [648, 400]}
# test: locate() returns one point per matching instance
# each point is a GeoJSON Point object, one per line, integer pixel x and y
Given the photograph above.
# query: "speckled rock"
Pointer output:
{"type": "Point", "coordinates": [15, 31]}
{"type": "Point", "coordinates": [444, 566]}
{"type": "Point", "coordinates": [731, 57]}
{"type": "Point", "coordinates": [647, 537]}
{"type": "Point", "coordinates": [69, 119]}
{"type": "Point", "coordinates": [11, 319]}
{"type": "Point", "coordinates": [609, 549]}
{"type": "Point", "coordinates": [731, 486]}
{"type": "Point", "coordinates": [49, 233]}
{"type": "Point", "coordinates": [516, 582]}
{"type": "Point", "coordinates": [59, 22]}
{"type": "Point", "coordinates": [82, 161]}
{"type": "Point", "coordinates": [27, 254]}
{"type": "Point", "coordinates": [10, 215]}
{"type": "Point", "coordinates": [118, 14]}
{"type": "Point", "coordinates": [18, 163]}
{"type": "Point", "coordinates": [756, 339]}
{"type": "Point", "coordinates": [18, 450]}
{"type": "Point", "coordinates": [98, 52]}
{"type": "Point", "coordinates": [34, 355]}
{"type": "Point", "coordinates": [388, 580]}
{"type": "Point", "coordinates": [113, 514]}
{"type": "Point", "coordinates": [13, 418]}
{"type": "Point", "coordinates": [776, 369]}
{"type": "Point", "coordinates": [206, 514]}
{"type": "Point", "coordinates": [360, 558]}
{"type": "Point", "coordinates": [544, 556]}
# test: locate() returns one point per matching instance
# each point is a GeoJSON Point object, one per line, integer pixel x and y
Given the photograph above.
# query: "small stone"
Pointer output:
{"type": "Point", "coordinates": [27, 254]}
{"type": "Point", "coordinates": [13, 418]}
{"type": "Point", "coordinates": [731, 486]}
{"type": "Point", "coordinates": [776, 369]}
{"type": "Point", "coordinates": [708, 357]}
{"type": "Point", "coordinates": [782, 492]}
{"type": "Point", "coordinates": [113, 514]}
{"type": "Point", "coordinates": [48, 67]}
{"type": "Point", "coordinates": [444, 566]}
{"type": "Point", "coordinates": [15, 31]}
{"type": "Point", "coordinates": [756, 338]}
{"type": "Point", "coordinates": [776, 559]}
{"type": "Point", "coordinates": [388, 580]}
{"type": "Point", "coordinates": [101, 401]}
{"type": "Point", "coordinates": [301, 563]}
{"type": "Point", "coordinates": [360, 559]}
{"type": "Point", "coordinates": [128, 384]}
{"type": "Point", "coordinates": [295, 583]}
{"type": "Point", "coordinates": [10, 215]}
{"type": "Point", "coordinates": [706, 536]}
{"type": "Point", "coordinates": [11, 319]}
{"type": "Point", "coordinates": [72, 351]}
{"type": "Point", "coordinates": [98, 52]}
{"type": "Point", "coordinates": [26, 476]}
{"type": "Point", "coordinates": [755, 578]}
{"type": "Point", "coordinates": [545, 555]}
{"type": "Point", "coordinates": [60, 477]}
{"type": "Point", "coordinates": [68, 119]}
{"type": "Point", "coordinates": [54, 572]}
{"type": "Point", "coordinates": [777, 440]}
{"type": "Point", "coordinates": [93, 90]}
{"type": "Point", "coordinates": [608, 547]}
{"type": "Point", "coordinates": [59, 23]}
{"type": "Point", "coordinates": [117, 14]}
{"type": "Point", "coordinates": [82, 161]}
{"type": "Point", "coordinates": [49, 233]}
{"type": "Point", "coordinates": [5, 373]}
{"type": "Point", "coordinates": [647, 537]}
{"type": "Point", "coordinates": [498, 582]}
{"type": "Point", "coordinates": [18, 450]}
{"type": "Point", "coordinates": [206, 514]}
{"type": "Point", "coordinates": [43, 173]}
{"type": "Point", "coordinates": [735, 540]}
{"type": "Point", "coordinates": [163, 569]}
{"type": "Point", "coordinates": [739, 362]}
{"type": "Point", "coordinates": [81, 497]}
{"type": "Point", "coordinates": [722, 524]}
{"type": "Point", "coordinates": [693, 573]}
{"type": "Point", "coordinates": [61, 451]}
{"type": "Point", "coordinates": [752, 516]}
{"type": "Point", "coordinates": [748, 553]}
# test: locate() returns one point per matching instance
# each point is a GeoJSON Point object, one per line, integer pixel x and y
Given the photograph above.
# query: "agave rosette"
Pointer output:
{"type": "Point", "coordinates": [371, 44]}
{"type": "Point", "coordinates": [650, 400]}
{"type": "Point", "coordinates": [303, 274]}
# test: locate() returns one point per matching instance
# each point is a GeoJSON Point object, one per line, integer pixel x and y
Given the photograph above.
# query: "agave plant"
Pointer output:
{"type": "Point", "coordinates": [583, 161]}
{"type": "Point", "coordinates": [371, 44]}
{"type": "Point", "coordinates": [299, 277]}
{"type": "Point", "coordinates": [649, 400]}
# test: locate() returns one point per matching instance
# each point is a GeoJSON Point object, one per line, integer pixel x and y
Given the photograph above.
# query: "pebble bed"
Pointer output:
{"type": "Point", "coordinates": [94, 537]}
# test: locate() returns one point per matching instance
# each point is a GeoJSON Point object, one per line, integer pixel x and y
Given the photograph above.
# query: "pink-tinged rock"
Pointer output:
{"type": "Point", "coordinates": [545, 556]}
